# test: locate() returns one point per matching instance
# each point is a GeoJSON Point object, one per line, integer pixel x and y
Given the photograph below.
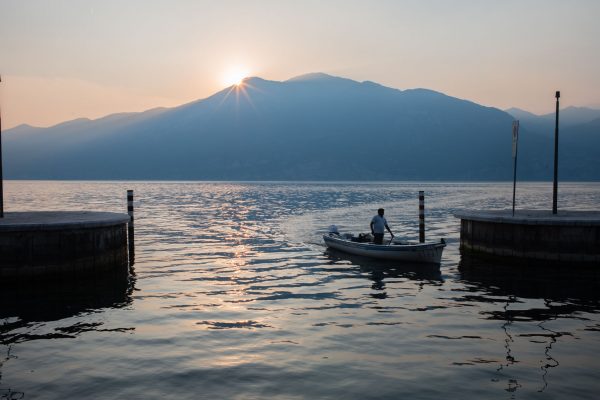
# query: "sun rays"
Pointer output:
{"type": "Point", "coordinates": [238, 85]}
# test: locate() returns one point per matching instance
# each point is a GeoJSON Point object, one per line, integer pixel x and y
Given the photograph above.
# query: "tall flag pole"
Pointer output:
{"type": "Point", "coordinates": [1, 176]}
{"type": "Point", "coordinates": [515, 144]}
{"type": "Point", "coordinates": [555, 187]}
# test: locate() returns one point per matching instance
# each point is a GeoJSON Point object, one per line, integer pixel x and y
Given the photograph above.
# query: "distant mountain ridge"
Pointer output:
{"type": "Point", "coordinates": [568, 117]}
{"type": "Point", "coordinates": [311, 127]}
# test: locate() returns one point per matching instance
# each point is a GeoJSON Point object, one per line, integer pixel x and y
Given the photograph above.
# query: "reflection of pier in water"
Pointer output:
{"type": "Point", "coordinates": [564, 289]}
{"type": "Point", "coordinates": [56, 300]}
{"type": "Point", "coordinates": [26, 306]}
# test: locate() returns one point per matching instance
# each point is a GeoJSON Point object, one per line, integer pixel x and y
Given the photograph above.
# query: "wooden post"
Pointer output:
{"type": "Point", "coordinates": [130, 230]}
{"type": "Point", "coordinates": [421, 216]}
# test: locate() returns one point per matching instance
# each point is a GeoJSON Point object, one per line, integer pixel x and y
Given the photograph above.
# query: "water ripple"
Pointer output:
{"type": "Point", "coordinates": [233, 295]}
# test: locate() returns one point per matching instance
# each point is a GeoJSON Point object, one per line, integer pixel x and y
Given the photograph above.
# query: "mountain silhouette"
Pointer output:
{"type": "Point", "coordinates": [568, 117]}
{"type": "Point", "coordinates": [311, 127]}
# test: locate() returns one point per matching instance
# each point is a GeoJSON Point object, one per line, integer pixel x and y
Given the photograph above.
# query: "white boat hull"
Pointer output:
{"type": "Point", "coordinates": [421, 252]}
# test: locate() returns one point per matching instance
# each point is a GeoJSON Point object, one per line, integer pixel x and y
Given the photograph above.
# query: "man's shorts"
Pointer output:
{"type": "Point", "coordinates": [378, 238]}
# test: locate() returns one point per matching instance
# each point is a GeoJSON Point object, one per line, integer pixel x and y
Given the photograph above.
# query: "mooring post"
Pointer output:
{"type": "Point", "coordinates": [421, 216]}
{"type": "Point", "coordinates": [131, 232]}
{"type": "Point", "coordinates": [130, 205]}
{"type": "Point", "coordinates": [555, 187]}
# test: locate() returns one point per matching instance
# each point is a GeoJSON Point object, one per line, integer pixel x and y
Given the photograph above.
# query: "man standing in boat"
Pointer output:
{"type": "Point", "coordinates": [378, 223]}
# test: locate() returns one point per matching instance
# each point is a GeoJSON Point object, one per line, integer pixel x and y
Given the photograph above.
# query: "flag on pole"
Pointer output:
{"type": "Point", "coordinates": [515, 138]}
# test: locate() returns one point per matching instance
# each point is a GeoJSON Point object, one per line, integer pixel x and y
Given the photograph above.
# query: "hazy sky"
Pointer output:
{"type": "Point", "coordinates": [61, 60]}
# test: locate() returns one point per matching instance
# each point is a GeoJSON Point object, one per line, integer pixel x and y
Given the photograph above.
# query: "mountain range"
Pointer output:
{"type": "Point", "coordinates": [568, 117]}
{"type": "Point", "coordinates": [312, 127]}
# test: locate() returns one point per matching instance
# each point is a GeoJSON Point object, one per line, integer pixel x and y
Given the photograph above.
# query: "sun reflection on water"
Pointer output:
{"type": "Point", "coordinates": [235, 294]}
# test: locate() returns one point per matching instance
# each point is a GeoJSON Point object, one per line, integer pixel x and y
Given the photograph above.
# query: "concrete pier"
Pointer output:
{"type": "Point", "coordinates": [52, 244]}
{"type": "Point", "coordinates": [572, 236]}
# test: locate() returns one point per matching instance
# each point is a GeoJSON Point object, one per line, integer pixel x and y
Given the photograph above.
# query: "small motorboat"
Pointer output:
{"type": "Point", "coordinates": [394, 250]}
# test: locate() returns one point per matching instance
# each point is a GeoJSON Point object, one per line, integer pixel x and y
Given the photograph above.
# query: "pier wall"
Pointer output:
{"type": "Point", "coordinates": [50, 250]}
{"type": "Point", "coordinates": [542, 239]}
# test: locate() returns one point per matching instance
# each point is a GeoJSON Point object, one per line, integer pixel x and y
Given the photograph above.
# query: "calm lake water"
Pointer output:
{"type": "Point", "coordinates": [233, 296]}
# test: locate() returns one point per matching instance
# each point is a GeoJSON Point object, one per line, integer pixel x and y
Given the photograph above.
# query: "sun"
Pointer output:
{"type": "Point", "coordinates": [234, 76]}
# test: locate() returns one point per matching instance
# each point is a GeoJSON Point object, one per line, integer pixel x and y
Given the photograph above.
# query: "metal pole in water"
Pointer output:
{"type": "Point", "coordinates": [514, 154]}
{"type": "Point", "coordinates": [130, 205]}
{"type": "Point", "coordinates": [130, 230]}
{"type": "Point", "coordinates": [555, 187]}
{"type": "Point", "coordinates": [421, 216]}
